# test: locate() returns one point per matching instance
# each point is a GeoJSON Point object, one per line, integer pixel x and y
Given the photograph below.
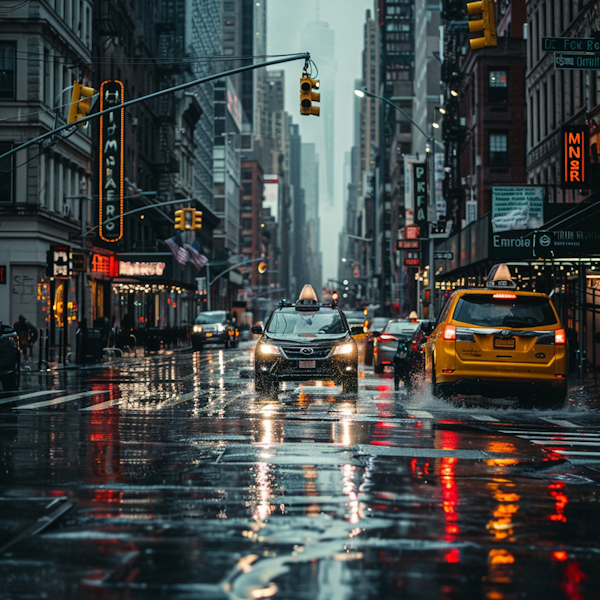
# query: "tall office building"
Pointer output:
{"type": "Point", "coordinates": [309, 179]}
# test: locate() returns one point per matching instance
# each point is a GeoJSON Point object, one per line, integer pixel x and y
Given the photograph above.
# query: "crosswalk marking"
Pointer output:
{"type": "Point", "coordinates": [61, 400]}
{"type": "Point", "coordinates": [564, 443]}
{"type": "Point", "coordinates": [484, 418]}
{"type": "Point", "coordinates": [102, 405]}
{"type": "Point", "coordinates": [31, 395]}
{"type": "Point", "coordinates": [575, 453]}
{"type": "Point", "coordinates": [420, 414]}
{"type": "Point", "coordinates": [560, 422]}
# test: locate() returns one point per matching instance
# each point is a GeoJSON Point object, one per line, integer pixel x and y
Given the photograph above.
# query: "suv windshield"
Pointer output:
{"type": "Point", "coordinates": [215, 316]}
{"type": "Point", "coordinates": [402, 328]}
{"type": "Point", "coordinates": [484, 310]}
{"type": "Point", "coordinates": [297, 323]}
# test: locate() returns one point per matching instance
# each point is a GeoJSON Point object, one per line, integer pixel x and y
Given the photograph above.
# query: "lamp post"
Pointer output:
{"type": "Point", "coordinates": [431, 201]}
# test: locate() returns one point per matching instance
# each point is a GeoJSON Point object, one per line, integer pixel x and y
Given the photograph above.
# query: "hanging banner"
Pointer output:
{"type": "Point", "coordinates": [110, 168]}
{"type": "Point", "coordinates": [575, 157]}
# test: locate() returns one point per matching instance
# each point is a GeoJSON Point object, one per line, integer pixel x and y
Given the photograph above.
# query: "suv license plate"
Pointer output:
{"type": "Point", "coordinates": [505, 343]}
{"type": "Point", "coordinates": [307, 364]}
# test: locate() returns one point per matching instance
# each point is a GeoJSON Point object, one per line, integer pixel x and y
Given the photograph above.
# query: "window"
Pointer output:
{"type": "Point", "coordinates": [498, 149]}
{"type": "Point", "coordinates": [7, 71]}
{"type": "Point", "coordinates": [498, 86]}
{"type": "Point", "coordinates": [6, 174]}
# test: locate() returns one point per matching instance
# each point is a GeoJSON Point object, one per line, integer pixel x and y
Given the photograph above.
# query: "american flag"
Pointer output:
{"type": "Point", "coordinates": [198, 259]}
{"type": "Point", "coordinates": [181, 254]}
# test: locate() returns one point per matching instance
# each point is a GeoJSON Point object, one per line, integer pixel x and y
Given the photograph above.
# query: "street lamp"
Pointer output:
{"type": "Point", "coordinates": [430, 148]}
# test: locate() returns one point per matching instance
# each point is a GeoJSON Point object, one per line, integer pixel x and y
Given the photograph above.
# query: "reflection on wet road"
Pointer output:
{"type": "Point", "coordinates": [165, 477]}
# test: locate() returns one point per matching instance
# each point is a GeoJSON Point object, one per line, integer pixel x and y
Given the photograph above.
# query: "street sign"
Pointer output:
{"type": "Point", "coordinates": [408, 244]}
{"type": "Point", "coordinates": [570, 45]}
{"type": "Point", "coordinates": [412, 262]}
{"type": "Point", "coordinates": [576, 62]}
{"type": "Point", "coordinates": [412, 232]}
{"type": "Point", "coordinates": [443, 255]}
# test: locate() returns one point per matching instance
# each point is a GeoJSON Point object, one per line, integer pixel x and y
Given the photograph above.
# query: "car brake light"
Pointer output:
{"type": "Point", "coordinates": [450, 332]}
{"type": "Point", "coordinates": [414, 346]}
{"type": "Point", "coordinates": [504, 296]}
{"type": "Point", "coordinates": [386, 337]}
{"type": "Point", "coordinates": [560, 337]}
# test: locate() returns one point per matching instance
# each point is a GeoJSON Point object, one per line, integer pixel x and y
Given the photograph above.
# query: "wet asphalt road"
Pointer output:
{"type": "Point", "coordinates": [164, 477]}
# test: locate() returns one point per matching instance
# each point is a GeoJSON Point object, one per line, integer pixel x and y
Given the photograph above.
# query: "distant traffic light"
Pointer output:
{"type": "Point", "coordinates": [262, 267]}
{"type": "Point", "coordinates": [334, 296]}
{"type": "Point", "coordinates": [307, 96]}
{"type": "Point", "coordinates": [487, 23]}
{"type": "Point", "coordinates": [197, 219]}
{"type": "Point", "coordinates": [179, 220]}
{"type": "Point", "coordinates": [81, 102]}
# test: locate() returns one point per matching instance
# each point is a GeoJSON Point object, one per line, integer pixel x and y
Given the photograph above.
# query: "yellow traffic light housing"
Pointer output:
{"type": "Point", "coordinates": [179, 220]}
{"type": "Point", "coordinates": [262, 267]}
{"type": "Point", "coordinates": [307, 96]}
{"type": "Point", "coordinates": [81, 102]}
{"type": "Point", "coordinates": [487, 23]}
{"type": "Point", "coordinates": [197, 219]}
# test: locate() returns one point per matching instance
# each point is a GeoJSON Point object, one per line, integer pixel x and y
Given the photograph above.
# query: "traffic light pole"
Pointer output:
{"type": "Point", "coordinates": [184, 86]}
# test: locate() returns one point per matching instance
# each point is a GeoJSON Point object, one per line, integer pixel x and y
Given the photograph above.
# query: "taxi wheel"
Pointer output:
{"type": "Point", "coordinates": [438, 390]}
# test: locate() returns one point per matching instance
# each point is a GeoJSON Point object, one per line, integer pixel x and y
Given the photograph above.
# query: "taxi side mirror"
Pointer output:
{"type": "Point", "coordinates": [256, 329]}
{"type": "Point", "coordinates": [356, 329]}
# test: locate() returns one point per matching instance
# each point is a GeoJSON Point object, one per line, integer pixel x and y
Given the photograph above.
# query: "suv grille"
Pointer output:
{"type": "Point", "coordinates": [295, 353]}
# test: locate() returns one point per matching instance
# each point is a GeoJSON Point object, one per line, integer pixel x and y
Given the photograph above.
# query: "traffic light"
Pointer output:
{"type": "Point", "coordinates": [307, 96]}
{"type": "Point", "coordinates": [179, 220]}
{"type": "Point", "coordinates": [262, 267]}
{"type": "Point", "coordinates": [487, 23]}
{"type": "Point", "coordinates": [197, 219]}
{"type": "Point", "coordinates": [81, 102]}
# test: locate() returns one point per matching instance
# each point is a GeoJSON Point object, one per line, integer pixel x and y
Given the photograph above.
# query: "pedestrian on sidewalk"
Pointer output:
{"type": "Point", "coordinates": [28, 336]}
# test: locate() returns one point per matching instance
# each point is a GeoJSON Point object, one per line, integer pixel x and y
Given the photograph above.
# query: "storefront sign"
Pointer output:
{"type": "Point", "coordinates": [104, 265]}
{"type": "Point", "coordinates": [58, 263]}
{"type": "Point", "coordinates": [408, 244]}
{"type": "Point", "coordinates": [413, 259]}
{"type": "Point", "coordinates": [420, 190]}
{"type": "Point", "coordinates": [2, 274]}
{"type": "Point", "coordinates": [408, 188]}
{"type": "Point", "coordinates": [110, 170]}
{"type": "Point", "coordinates": [575, 156]}
{"type": "Point", "coordinates": [141, 269]}
{"type": "Point", "coordinates": [412, 232]}
{"type": "Point", "coordinates": [517, 207]}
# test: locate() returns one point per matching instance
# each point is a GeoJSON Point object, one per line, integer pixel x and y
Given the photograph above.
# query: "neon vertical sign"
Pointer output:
{"type": "Point", "coordinates": [111, 163]}
{"type": "Point", "coordinates": [576, 151]}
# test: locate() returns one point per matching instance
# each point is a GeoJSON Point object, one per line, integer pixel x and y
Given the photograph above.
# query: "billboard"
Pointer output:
{"type": "Point", "coordinates": [515, 208]}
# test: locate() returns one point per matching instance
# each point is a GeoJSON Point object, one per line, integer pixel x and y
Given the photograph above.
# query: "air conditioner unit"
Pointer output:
{"type": "Point", "coordinates": [66, 210]}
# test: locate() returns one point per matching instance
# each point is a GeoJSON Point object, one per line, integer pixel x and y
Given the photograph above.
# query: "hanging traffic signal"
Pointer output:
{"type": "Point", "coordinates": [335, 296]}
{"type": "Point", "coordinates": [197, 219]}
{"type": "Point", "coordinates": [307, 96]}
{"type": "Point", "coordinates": [262, 267]}
{"type": "Point", "coordinates": [179, 220]}
{"type": "Point", "coordinates": [487, 23]}
{"type": "Point", "coordinates": [81, 102]}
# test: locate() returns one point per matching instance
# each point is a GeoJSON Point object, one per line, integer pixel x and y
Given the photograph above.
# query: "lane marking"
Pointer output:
{"type": "Point", "coordinates": [575, 453]}
{"type": "Point", "coordinates": [32, 395]}
{"type": "Point", "coordinates": [420, 414]}
{"type": "Point", "coordinates": [103, 405]}
{"type": "Point", "coordinates": [558, 443]}
{"type": "Point", "coordinates": [61, 400]}
{"type": "Point", "coordinates": [484, 418]}
{"type": "Point", "coordinates": [560, 422]}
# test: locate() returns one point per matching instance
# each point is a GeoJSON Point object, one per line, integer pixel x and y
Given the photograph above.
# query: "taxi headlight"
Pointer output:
{"type": "Point", "coordinates": [268, 349]}
{"type": "Point", "coordinates": [197, 328]}
{"type": "Point", "coordinates": [344, 349]}
{"type": "Point", "coordinates": [220, 327]}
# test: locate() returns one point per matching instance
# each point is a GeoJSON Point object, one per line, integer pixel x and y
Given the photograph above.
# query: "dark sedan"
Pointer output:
{"type": "Point", "coordinates": [10, 358]}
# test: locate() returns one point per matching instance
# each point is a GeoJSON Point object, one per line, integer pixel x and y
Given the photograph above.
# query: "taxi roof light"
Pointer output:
{"type": "Point", "coordinates": [307, 299]}
{"type": "Point", "coordinates": [500, 277]}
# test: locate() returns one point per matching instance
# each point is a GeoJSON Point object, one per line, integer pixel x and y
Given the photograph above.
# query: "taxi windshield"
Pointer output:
{"type": "Point", "coordinates": [325, 322]}
{"type": "Point", "coordinates": [485, 311]}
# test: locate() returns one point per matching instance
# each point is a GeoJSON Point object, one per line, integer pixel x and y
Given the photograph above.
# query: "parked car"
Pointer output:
{"type": "Point", "coordinates": [10, 358]}
{"type": "Point", "coordinates": [385, 346]}
{"type": "Point", "coordinates": [214, 327]}
{"type": "Point", "coordinates": [375, 327]}
{"type": "Point", "coordinates": [409, 360]}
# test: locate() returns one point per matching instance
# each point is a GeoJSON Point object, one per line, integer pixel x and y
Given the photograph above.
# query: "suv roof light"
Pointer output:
{"type": "Point", "coordinates": [500, 277]}
{"type": "Point", "coordinates": [307, 299]}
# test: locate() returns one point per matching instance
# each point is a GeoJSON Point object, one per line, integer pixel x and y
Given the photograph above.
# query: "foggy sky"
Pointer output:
{"type": "Point", "coordinates": [285, 21]}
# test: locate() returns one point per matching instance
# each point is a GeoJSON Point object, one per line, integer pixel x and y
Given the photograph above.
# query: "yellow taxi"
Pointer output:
{"type": "Point", "coordinates": [498, 341]}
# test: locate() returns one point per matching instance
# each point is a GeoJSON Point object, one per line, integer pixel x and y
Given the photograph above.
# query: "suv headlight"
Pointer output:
{"type": "Point", "coordinates": [197, 328]}
{"type": "Point", "coordinates": [344, 348]}
{"type": "Point", "coordinates": [220, 327]}
{"type": "Point", "coordinates": [268, 349]}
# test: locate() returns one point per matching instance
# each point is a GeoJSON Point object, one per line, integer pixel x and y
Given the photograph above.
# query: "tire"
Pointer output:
{"type": "Point", "coordinates": [350, 384]}
{"type": "Point", "coordinates": [377, 369]}
{"type": "Point", "coordinates": [439, 390]}
{"type": "Point", "coordinates": [12, 382]}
